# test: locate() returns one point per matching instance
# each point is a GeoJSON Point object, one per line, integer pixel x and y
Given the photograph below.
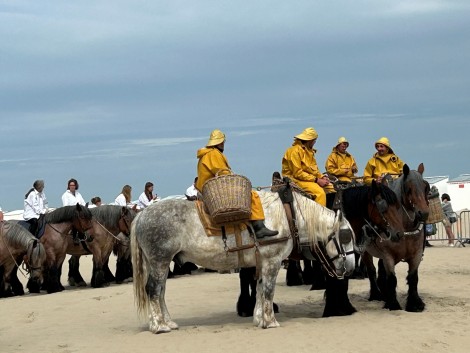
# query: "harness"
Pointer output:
{"type": "Point", "coordinates": [285, 190]}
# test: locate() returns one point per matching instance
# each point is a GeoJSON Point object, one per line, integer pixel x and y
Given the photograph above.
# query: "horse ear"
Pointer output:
{"type": "Point", "coordinates": [406, 169]}
{"type": "Point", "coordinates": [421, 168]}
{"type": "Point", "coordinates": [77, 206]}
{"type": "Point", "coordinates": [124, 211]}
{"type": "Point", "coordinates": [35, 243]}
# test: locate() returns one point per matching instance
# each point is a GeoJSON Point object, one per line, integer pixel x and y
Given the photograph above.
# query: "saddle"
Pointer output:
{"type": "Point", "coordinates": [40, 228]}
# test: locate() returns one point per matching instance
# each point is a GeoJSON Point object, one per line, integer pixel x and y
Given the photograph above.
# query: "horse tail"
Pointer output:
{"type": "Point", "coordinates": [139, 272]}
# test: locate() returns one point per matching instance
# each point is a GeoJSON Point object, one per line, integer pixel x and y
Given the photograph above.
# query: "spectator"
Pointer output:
{"type": "Point", "coordinates": [71, 196]}
{"type": "Point", "coordinates": [95, 202]}
{"type": "Point", "coordinates": [125, 197]}
{"type": "Point", "coordinates": [449, 219]}
{"type": "Point", "coordinates": [1, 215]}
{"type": "Point", "coordinates": [147, 197]}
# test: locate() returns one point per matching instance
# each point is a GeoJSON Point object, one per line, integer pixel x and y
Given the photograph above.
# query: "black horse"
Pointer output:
{"type": "Point", "coordinates": [372, 211]}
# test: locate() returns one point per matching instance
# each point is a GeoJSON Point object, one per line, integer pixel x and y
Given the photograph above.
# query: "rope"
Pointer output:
{"type": "Point", "coordinates": [102, 226]}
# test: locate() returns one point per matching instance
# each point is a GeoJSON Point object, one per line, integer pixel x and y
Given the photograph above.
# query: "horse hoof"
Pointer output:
{"type": "Point", "coordinates": [160, 329]}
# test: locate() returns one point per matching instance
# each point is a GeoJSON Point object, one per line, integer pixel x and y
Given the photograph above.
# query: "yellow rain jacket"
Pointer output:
{"type": "Point", "coordinates": [379, 165]}
{"type": "Point", "coordinates": [340, 165]}
{"type": "Point", "coordinates": [299, 165]}
{"type": "Point", "coordinates": [212, 161]}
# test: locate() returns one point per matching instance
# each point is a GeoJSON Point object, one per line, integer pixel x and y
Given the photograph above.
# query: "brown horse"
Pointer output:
{"type": "Point", "coordinates": [18, 245]}
{"type": "Point", "coordinates": [59, 224]}
{"type": "Point", "coordinates": [412, 190]}
{"type": "Point", "coordinates": [108, 222]}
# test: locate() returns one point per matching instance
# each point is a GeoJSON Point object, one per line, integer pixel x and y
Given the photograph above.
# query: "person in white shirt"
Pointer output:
{"type": "Point", "coordinates": [1, 215]}
{"type": "Point", "coordinates": [125, 197]}
{"type": "Point", "coordinates": [147, 197]}
{"type": "Point", "coordinates": [35, 205]}
{"type": "Point", "coordinates": [95, 202]}
{"type": "Point", "coordinates": [71, 196]}
{"type": "Point", "coordinates": [191, 192]}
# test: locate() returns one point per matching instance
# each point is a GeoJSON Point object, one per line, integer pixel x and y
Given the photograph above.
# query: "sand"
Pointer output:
{"type": "Point", "coordinates": [203, 304]}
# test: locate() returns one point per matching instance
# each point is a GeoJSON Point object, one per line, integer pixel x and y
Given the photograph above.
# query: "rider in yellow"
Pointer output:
{"type": "Point", "coordinates": [341, 163]}
{"type": "Point", "coordinates": [213, 162]}
{"type": "Point", "coordinates": [299, 165]}
{"type": "Point", "coordinates": [384, 161]}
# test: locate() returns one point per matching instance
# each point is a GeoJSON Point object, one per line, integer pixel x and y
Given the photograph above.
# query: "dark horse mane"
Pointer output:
{"type": "Point", "coordinates": [108, 215]}
{"type": "Point", "coordinates": [66, 214]}
{"type": "Point", "coordinates": [356, 199]}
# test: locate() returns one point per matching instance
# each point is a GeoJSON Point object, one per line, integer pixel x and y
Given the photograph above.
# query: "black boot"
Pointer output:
{"type": "Point", "coordinates": [261, 231]}
{"type": "Point", "coordinates": [428, 244]}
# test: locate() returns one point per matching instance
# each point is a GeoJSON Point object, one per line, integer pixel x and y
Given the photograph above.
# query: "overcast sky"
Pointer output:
{"type": "Point", "coordinates": [125, 92]}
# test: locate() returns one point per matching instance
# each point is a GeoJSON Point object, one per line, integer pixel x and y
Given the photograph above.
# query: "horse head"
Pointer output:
{"type": "Point", "coordinates": [414, 190]}
{"type": "Point", "coordinates": [340, 247]}
{"type": "Point", "coordinates": [125, 220]}
{"type": "Point", "coordinates": [82, 220]}
{"type": "Point", "coordinates": [384, 211]}
{"type": "Point", "coordinates": [33, 263]}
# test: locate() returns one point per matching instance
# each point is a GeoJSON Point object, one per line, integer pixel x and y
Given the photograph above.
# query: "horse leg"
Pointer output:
{"type": "Point", "coordinates": [2, 282]}
{"type": "Point", "coordinates": [74, 276]}
{"type": "Point", "coordinates": [16, 285]}
{"type": "Point", "coordinates": [108, 275]}
{"type": "Point", "coordinates": [98, 279]}
{"type": "Point", "coordinates": [317, 275]}
{"type": "Point", "coordinates": [246, 302]}
{"type": "Point", "coordinates": [53, 282]}
{"type": "Point", "coordinates": [375, 292]}
{"type": "Point", "coordinates": [263, 315]}
{"type": "Point", "coordinates": [336, 298]}
{"type": "Point", "coordinates": [123, 269]}
{"type": "Point", "coordinates": [391, 301]}
{"type": "Point", "coordinates": [294, 274]}
{"type": "Point", "coordinates": [358, 272]}
{"type": "Point", "coordinates": [160, 320]}
{"type": "Point", "coordinates": [414, 303]}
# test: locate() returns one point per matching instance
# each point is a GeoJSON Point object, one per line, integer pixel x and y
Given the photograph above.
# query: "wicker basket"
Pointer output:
{"type": "Point", "coordinates": [436, 214]}
{"type": "Point", "coordinates": [228, 198]}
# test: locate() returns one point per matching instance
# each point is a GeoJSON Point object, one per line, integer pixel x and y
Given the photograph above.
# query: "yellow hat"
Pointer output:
{"type": "Point", "coordinates": [341, 140]}
{"type": "Point", "coordinates": [383, 141]}
{"type": "Point", "coordinates": [215, 138]}
{"type": "Point", "coordinates": [307, 135]}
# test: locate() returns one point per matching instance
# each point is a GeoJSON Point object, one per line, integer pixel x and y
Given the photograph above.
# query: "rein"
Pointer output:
{"type": "Point", "coordinates": [107, 231]}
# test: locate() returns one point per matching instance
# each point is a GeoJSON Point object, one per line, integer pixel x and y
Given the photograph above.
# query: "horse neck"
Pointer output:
{"type": "Point", "coordinates": [18, 237]}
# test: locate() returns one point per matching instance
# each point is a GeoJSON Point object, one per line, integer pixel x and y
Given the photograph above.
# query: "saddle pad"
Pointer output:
{"type": "Point", "coordinates": [210, 227]}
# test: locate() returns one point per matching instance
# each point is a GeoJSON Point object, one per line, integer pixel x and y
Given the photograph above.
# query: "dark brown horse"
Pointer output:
{"type": "Point", "coordinates": [375, 207]}
{"type": "Point", "coordinates": [17, 245]}
{"type": "Point", "coordinates": [412, 190]}
{"type": "Point", "coordinates": [59, 224]}
{"type": "Point", "coordinates": [108, 222]}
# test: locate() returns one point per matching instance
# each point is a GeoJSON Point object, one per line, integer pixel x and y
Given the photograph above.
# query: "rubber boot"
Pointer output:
{"type": "Point", "coordinates": [261, 231]}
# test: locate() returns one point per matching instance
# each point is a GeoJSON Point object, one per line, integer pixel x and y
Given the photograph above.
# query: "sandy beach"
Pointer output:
{"type": "Point", "coordinates": [203, 304]}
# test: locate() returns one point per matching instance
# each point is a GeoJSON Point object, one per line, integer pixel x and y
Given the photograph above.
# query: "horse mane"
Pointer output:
{"type": "Point", "coordinates": [65, 214]}
{"type": "Point", "coordinates": [356, 199]}
{"type": "Point", "coordinates": [317, 219]}
{"type": "Point", "coordinates": [17, 236]}
{"type": "Point", "coordinates": [108, 215]}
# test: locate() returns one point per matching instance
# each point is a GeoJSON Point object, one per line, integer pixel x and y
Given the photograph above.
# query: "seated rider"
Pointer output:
{"type": "Point", "coordinates": [299, 165]}
{"type": "Point", "coordinates": [213, 162]}
{"type": "Point", "coordinates": [383, 162]}
{"type": "Point", "coordinates": [340, 163]}
{"type": "Point", "coordinates": [35, 205]}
